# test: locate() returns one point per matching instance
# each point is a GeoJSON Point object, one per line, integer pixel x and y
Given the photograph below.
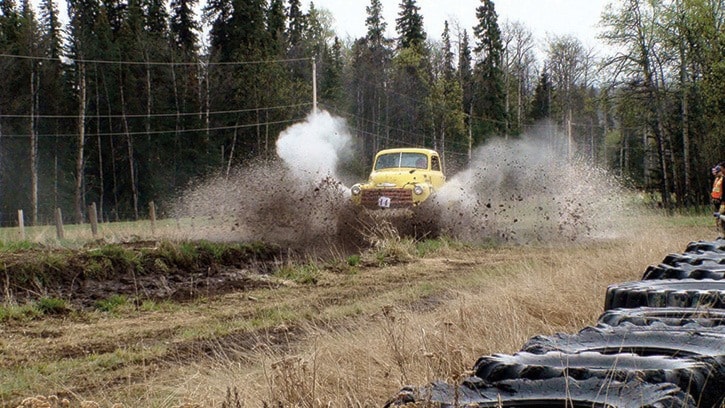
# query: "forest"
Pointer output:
{"type": "Point", "coordinates": [125, 102]}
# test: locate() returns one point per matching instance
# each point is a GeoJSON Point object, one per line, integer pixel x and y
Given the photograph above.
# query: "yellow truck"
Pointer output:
{"type": "Point", "coordinates": [400, 178]}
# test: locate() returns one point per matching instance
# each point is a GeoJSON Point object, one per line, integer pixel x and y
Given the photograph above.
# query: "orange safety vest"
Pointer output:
{"type": "Point", "coordinates": [717, 188]}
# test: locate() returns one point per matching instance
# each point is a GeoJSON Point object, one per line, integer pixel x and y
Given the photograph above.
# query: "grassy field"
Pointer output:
{"type": "Point", "coordinates": [341, 332]}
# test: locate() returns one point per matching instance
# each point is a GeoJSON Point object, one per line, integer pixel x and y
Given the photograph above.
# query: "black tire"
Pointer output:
{"type": "Point", "coordinates": [350, 226]}
{"type": "Point", "coordinates": [705, 270]}
{"type": "Point", "coordinates": [551, 392]}
{"type": "Point", "coordinates": [652, 340]}
{"type": "Point", "coordinates": [695, 258]}
{"type": "Point", "coordinates": [695, 293]}
{"type": "Point", "coordinates": [716, 246]}
{"type": "Point", "coordinates": [703, 378]}
{"type": "Point", "coordinates": [699, 319]}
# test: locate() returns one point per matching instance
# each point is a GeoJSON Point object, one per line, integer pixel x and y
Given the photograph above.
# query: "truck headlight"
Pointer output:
{"type": "Point", "coordinates": [355, 190]}
{"type": "Point", "coordinates": [418, 190]}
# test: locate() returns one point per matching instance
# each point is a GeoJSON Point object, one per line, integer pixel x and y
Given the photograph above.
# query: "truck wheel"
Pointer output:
{"type": "Point", "coordinates": [695, 293]}
{"type": "Point", "coordinates": [426, 220]}
{"type": "Point", "coordinates": [550, 392]}
{"type": "Point", "coordinates": [350, 226]}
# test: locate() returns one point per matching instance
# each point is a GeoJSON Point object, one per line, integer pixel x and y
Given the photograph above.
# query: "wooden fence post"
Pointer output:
{"type": "Point", "coordinates": [21, 224]}
{"type": "Point", "coordinates": [152, 216]}
{"type": "Point", "coordinates": [93, 216]}
{"type": "Point", "coordinates": [59, 224]}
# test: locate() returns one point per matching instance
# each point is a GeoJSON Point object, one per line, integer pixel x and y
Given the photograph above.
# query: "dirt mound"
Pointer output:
{"type": "Point", "coordinates": [139, 271]}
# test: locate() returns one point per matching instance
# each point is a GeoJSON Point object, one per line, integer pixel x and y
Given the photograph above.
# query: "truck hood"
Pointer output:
{"type": "Point", "coordinates": [396, 178]}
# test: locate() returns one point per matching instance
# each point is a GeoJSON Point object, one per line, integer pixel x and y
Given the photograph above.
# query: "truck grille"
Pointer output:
{"type": "Point", "coordinates": [399, 197]}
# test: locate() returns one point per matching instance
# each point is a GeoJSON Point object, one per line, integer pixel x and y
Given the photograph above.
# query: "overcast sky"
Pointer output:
{"type": "Point", "coordinates": [542, 17]}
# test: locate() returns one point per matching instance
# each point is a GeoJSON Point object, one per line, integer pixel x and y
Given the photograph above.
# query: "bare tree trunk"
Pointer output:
{"type": "Point", "coordinates": [33, 145]}
{"type": "Point", "coordinates": [177, 124]}
{"type": "Point", "coordinates": [689, 198]}
{"type": "Point", "coordinates": [129, 145]}
{"type": "Point", "coordinates": [231, 153]}
{"type": "Point", "coordinates": [101, 183]}
{"type": "Point", "coordinates": [113, 152]}
{"type": "Point", "coordinates": [208, 107]}
{"type": "Point", "coordinates": [622, 152]}
{"type": "Point", "coordinates": [81, 142]}
{"type": "Point", "coordinates": [266, 134]}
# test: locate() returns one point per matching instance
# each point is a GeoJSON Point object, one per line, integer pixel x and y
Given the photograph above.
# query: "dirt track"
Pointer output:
{"type": "Point", "coordinates": [221, 304]}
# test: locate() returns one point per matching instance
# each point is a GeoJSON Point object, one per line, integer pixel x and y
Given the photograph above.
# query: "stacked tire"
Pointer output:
{"type": "Point", "coordinates": [660, 342]}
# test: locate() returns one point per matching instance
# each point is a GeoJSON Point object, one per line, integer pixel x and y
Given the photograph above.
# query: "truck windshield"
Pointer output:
{"type": "Point", "coordinates": [396, 160]}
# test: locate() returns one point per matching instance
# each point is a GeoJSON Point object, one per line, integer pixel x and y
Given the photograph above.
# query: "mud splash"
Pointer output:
{"type": "Point", "coordinates": [524, 190]}
{"type": "Point", "coordinates": [513, 191]}
{"type": "Point", "coordinates": [292, 201]}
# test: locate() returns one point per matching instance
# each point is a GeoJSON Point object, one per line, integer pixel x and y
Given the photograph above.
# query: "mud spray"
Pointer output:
{"type": "Point", "coordinates": [515, 191]}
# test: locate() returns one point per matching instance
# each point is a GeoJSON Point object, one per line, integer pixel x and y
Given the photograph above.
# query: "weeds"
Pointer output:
{"type": "Point", "coordinates": [394, 327]}
{"type": "Point", "coordinates": [293, 381]}
{"type": "Point", "coordinates": [232, 399]}
{"type": "Point", "coordinates": [15, 246]}
{"type": "Point", "coordinates": [113, 259]}
{"type": "Point", "coordinates": [387, 246]}
{"type": "Point", "coordinates": [52, 306]}
{"type": "Point", "coordinates": [112, 304]}
{"type": "Point", "coordinates": [18, 313]}
{"type": "Point", "coordinates": [307, 274]}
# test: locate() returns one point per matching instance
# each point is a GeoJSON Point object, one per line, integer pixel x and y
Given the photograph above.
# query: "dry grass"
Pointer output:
{"type": "Point", "coordinates": [411, 323]}
{"type": "Point", "coordinates": [515, 294]}
{"type": "Point", "coordinates": [125, 231]}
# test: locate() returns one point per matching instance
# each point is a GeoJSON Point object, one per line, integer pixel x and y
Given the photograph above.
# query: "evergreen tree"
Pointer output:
{"type": "Point", "coordinates": [541, 104]}
{"type": "Point", "coordinates": [276, 27]}
{"type": "Point", "coordinates": [318, 33]}
{"type": "Point", "coordinates": [219, 14]}
{"type": "Point", "coordinates": [445, 103]}
{"type": "Point", "coordinates": [489, 99]}
{"type": "Point", "coordinates": [331, 84]}
{"type": "Point", "coordinates": [409, 26]}
{"type": "Point", "coordinates": [51, 28]}
{"type": "Point", "coordinates": [448, 63]}
{"type": "Point", "coordinates": [184, 27]}
{"type": "Point", "coordinates": [412, 80]}
{"type": "Point", "coordinates": [156, 16]}
{"type": "Point", "coordinates": [375, 24]}
{"type": "Point", "coordinates": [297, 23]}
{"type": "Point", "coordinates": [465, 75]}
{"type": "Point", "coordinates": [368, 78]}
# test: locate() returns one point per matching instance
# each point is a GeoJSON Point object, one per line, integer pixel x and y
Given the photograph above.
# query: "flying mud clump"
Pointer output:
{"type": "Point", "coordinates": [523, 191]}
{"type": "Point", "coordinates": [292, 200]}
{"type": "Point", "coordinates": [514, 191]}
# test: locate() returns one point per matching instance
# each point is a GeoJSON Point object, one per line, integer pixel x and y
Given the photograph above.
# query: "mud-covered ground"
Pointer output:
{"type": "Point", "coordinates": [146, 270]}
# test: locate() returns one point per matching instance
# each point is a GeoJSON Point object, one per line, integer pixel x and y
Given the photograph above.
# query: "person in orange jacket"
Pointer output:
{"type": "Point", "coordinates": [716, 195]}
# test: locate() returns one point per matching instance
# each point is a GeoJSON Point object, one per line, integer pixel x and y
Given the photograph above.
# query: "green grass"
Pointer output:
{"type": "Point", "coordinates": [112, 304]}
{"type": "Point", "coordinates": [52, 306]}
{"type": "Point", "coordinates": [16, 246]}
{"type": "Point", "coordinates": [307, 274]}
{"type": "Point", "coordinates": [18, 313]}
